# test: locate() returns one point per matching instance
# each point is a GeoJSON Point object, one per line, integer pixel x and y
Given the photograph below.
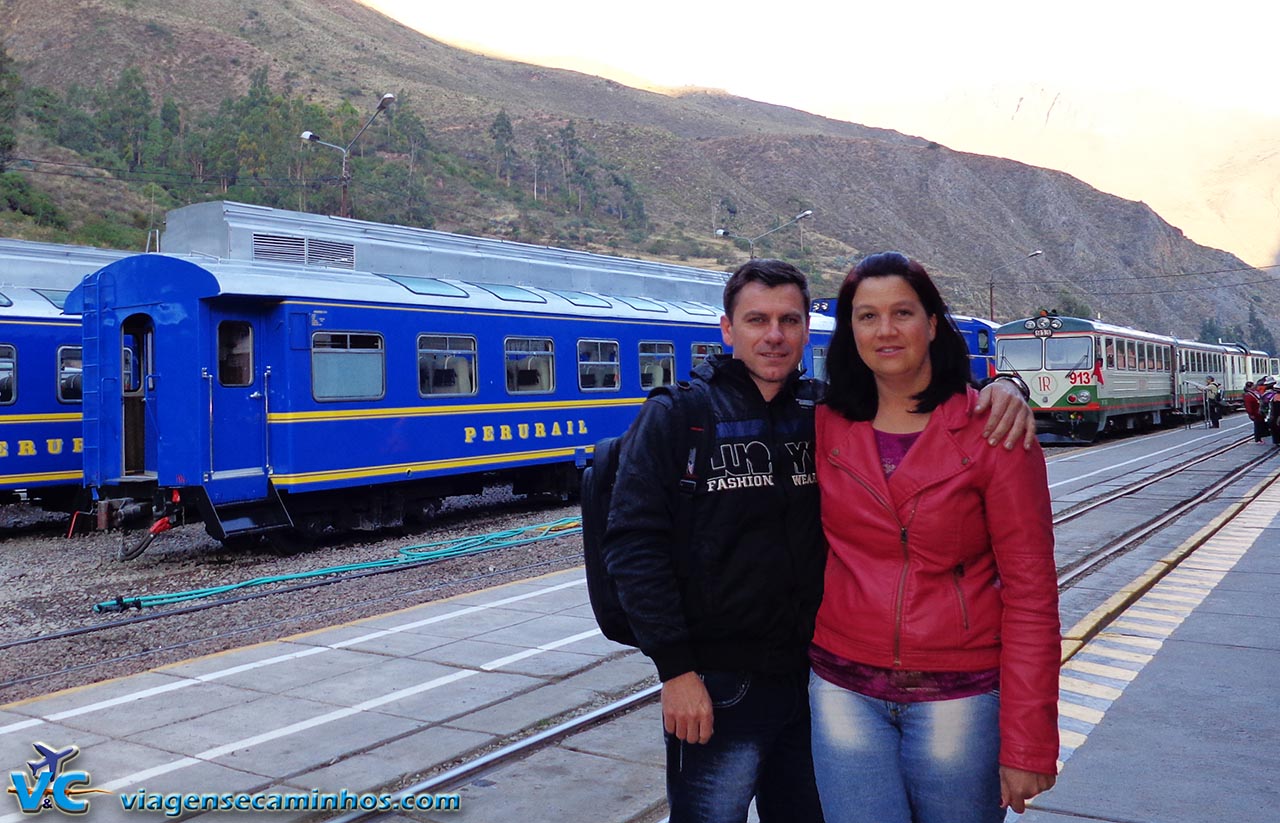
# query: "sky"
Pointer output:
{"type": "Point", "coordinates": [858, 60]}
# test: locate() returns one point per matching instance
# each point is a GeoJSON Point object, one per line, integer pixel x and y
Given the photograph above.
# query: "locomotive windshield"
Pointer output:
{"type": "Point", "coordinates": [1068, 353]}
{"type": "Point", "coordinates": [1019, 354]}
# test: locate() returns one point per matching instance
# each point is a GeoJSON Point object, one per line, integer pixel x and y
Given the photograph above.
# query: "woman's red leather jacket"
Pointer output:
{"type": "Point", "coordinates": [945, 566]}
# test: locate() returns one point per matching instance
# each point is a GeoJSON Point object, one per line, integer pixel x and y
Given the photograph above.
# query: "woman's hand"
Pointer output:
{"type": "Point", "coordinates": [1017, 786]}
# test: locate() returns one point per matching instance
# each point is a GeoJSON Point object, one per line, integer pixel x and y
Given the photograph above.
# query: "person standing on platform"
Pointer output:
{"type": "Point", "coordinates": [1213, 402]}
{"type": "Point", "coordinates": [1270, 404]}
{"type": "Point", "coordinates": [1253, 408]}
{"type": "Point", "coordinates": [716, 548]}
{"type": "Point", "coordinates": [936, 651]}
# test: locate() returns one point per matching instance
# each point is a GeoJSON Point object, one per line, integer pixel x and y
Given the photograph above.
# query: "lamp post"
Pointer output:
{"type": "Point", "coordinates": [991, 281]}
{"type": "Point", "coordinates": [751, 241]}
{"type": "Point", "coordinates": [345, 178]}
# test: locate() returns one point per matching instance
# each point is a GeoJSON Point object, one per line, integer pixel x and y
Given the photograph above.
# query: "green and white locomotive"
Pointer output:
{"type": "Point", "coordinates": [1087, 377]}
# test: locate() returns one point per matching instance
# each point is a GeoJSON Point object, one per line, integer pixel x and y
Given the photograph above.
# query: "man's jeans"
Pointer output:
{"type": "Point", "coordinates": [882, 762]}
{"type": "Point", "coordinates": [759, 748]}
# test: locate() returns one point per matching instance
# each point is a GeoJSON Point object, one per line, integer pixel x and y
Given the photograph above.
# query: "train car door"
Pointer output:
{"type": "Point", "coordinates": [138, 396]}
{"type": "Point", "coordinates": [237, 385]}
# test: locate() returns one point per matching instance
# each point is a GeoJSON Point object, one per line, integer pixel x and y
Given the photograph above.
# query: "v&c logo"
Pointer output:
{"type": "Point", "coordinates": [50, 785]}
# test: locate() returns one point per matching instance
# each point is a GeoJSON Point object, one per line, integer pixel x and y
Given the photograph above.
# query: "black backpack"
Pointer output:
{"type": "Point", "coordinates": [597, 496]}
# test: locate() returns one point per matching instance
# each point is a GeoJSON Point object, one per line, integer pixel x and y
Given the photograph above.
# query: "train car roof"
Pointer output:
{"type": "Point", "coordinates": [51, 265]}
{"type": "Point", "coordinates": [149, 278]}
{"type": "Point", "coordinates": [163, 276]}
{"type": "Point", "coordinates": [1214, 347]}
{"type": "Point", "coordinates": [245, 233]}
{"type": "Point", "coordinates": [963, 320]}
{"type": "Point", "coordinates": [31, 303]}
{"type": "Point", "coordinates": [1079, 324]}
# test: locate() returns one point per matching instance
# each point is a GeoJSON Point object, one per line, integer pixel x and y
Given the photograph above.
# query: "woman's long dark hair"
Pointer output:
{"type": "Point", "coordinates": [851, 385]}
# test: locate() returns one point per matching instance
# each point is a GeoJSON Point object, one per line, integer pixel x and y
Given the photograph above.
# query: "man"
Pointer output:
{"type": "Point", "coordinates": [716, 547]}
{"type": "Point", "coordinates": [1213, 402]}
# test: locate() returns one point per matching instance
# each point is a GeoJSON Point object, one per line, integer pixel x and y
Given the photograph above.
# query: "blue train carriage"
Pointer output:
{"type": "Point", "coordinates": [40, 397]}
{"type": "Point", "coordinates": [40, 377]}
{"type": "Point", "coordinates": [980, 338]}
{"type": "Point", "coordinates": [267, 397]}
{"type": "Point", "coordinates": [1086, 376]}
{"type": "Point", "coordinates": [815, 354]}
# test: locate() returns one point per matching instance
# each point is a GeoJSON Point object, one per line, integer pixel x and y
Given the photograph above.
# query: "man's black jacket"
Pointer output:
{"type": "Point", "coordinates": [741, 591]}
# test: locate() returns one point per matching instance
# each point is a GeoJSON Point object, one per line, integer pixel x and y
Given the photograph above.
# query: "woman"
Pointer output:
{"type": "Point", "coordinates": [935, 658]}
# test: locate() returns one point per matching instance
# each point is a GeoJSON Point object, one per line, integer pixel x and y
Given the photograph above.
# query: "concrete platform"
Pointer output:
{"type": "Point", "coordinates": [363, 707]}
{"type": "Point", "coordinates": [1172, 715]}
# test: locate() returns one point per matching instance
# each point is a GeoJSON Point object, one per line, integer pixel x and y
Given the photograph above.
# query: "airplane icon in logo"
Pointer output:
{"type": "Point", "coordinates": [50, 759]}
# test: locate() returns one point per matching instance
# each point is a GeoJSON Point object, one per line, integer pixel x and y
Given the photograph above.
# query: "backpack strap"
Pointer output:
{"type": "Point", "coordinates": [691, 401]}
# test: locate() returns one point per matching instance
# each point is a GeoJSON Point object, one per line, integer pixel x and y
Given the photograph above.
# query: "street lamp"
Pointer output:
{"type": "Point", "coordinates": [991, 281]}
{"type": "Point", "coordinates": [751, 241]}
{"type": "Point", "coordinates": [345, 178]}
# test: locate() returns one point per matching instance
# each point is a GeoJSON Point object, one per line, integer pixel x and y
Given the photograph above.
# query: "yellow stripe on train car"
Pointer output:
{"type": "Point", "coordinates": [408, 469]}
{"type": "Point", "coordinates": [437, 411]}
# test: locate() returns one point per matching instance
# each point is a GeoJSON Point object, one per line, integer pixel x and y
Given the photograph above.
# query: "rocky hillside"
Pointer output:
{"type": "Point", "coordinates": [699, 160]}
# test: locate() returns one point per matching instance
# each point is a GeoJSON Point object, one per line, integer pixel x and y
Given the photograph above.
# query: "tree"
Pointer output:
{"type": "Point", "coordinates": [504, 138]}
{"type": "Point", "coordinates": [1210, 331]}
{"type": "Point", "coordinates": [1071, 305]}
{"type": "Point", "coordinates": [1260, 336]}
{"type": "Point", "coordinates": [544, 160]}
{"type": "Point", "coordinates": [124, 118]}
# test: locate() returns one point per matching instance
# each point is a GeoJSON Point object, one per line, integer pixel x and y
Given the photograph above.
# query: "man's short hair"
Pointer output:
{"type": "Point", "coordinates": [772, 273]}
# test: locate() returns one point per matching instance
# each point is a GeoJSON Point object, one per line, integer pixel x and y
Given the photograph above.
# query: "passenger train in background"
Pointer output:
{"type": "Point", "coordinates": [979, 337]}
{"type": "Point", "coordinates": [266, 393]}
{"type": "Point", "coordinates": [1087, 377]}
{"type": "Point", "coordinates": [40, 370]}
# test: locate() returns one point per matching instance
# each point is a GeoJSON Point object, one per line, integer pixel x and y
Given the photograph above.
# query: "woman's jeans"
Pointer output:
{"type": "Point", "coordinates": [759, 748]}
{"type": "Point", "coordinates": [883, 762]}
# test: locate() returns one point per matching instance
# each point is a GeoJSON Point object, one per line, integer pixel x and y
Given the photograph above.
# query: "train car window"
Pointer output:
{"type": "Point", "coordinates": [598, 368]}
{"type": "Point", "coordinates": [235, 353]}
{"type": "Point", "coordinates": [8, 375]}
{"type": "Point", "coordinates": [131, 371]}
{"type": "Point", "coordinates": [512, 294]}
{"type": "Point", "coordinates": [347, 366]}
{"type": "Point", "coordinates": [530, 365]}
{"type": "Point", "coordinates": [698, 309]}
{"type": "Point", "coordinates": [1111, 353]}
{"type": "Point", "coordinates": [1131, 355]}
{"type": "Point", "coordinates": [1019, 354]}
{"type": "Point", "coordinates": [58, 297]}
{"type": "Point", "coordinates": [984, 341]}
{"type": "Point", "coordinates": [701, 351]}
{"type": "Point", "coordinates": [1142, 357]}
{"type": "Point", "coordinates": [579, 298]}
{"type": "Point", "coordinates": [70, 374]}
{"type": "Point", "coordinates": [641, 304]}
{"type": "Point", "coordinates": [5, 301]}
{"type": "Point", "coordinates": [820, 361]}
{"type": "Point", "coordinates": [657, 364]}
{"type": "Point", "coordinates": [428, 286]}
{"type": "Point", "coordinates": [446, 364]}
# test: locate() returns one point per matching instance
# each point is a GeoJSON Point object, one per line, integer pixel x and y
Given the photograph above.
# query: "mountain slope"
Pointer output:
{"type": "Point", "coordinates": [702, 160]}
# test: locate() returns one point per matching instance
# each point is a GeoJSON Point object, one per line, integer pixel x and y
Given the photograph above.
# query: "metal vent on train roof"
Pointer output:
{"type": "Point", "coordinates": [283, 248]}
